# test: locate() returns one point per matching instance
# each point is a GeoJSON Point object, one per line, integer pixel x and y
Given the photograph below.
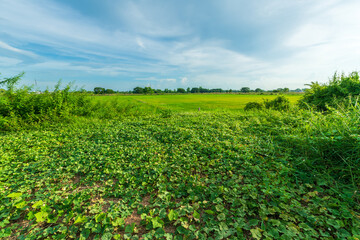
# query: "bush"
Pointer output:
{"type": "Point", "coordinates": [280, 103]}
{"type": "Point", "coordinates": [253, 105]}
{"type": "Point", "coordinates": [339, 90]}
{"type": "Point", "coordinates": [22, 106]}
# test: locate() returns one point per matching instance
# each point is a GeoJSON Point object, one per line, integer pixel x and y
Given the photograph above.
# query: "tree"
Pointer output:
{"type": "Point", "coordinates": [245, 89]}
{"type": "Point", "coordinates": [188, 90]}
{"type": "Point", "coordinates": [109, 91]}
{"type": "Point", "coordinates": [99, 90]}
{"type": "Point", "coordinates": [148, 90]}
{"type": "Point", "coordinates": [259, 90]}
{"type": "Point", "coordinates": [203, 90]}
{"type": "Point", "coordinates": [195, 90]}
{"type": "Point", "coordinates": [138, 90]}
{"type": "Point", "coordinates": [180, 90]}
{"type": "Point", "coordinates": [219, 90]}
{"type": "Point", "coordinates": [12, 81]}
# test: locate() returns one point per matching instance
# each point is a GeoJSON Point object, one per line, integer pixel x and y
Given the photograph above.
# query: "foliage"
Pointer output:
{"type": "Point", "coordinates": [109, 91]}
{"type": "Point", "coordinates": [22, 106]}
{"type": "Point", "coordinates": [203, 175]}
{"type": "Point", "coordinates": [341, 89]}
{"type": "Point", "coordinates": [253, 105]}
{"type": "Point", "coordinates": [129, 169]}
{"type": "Point", "coordinates": [11, 82]}
{"type": "Point", "coordinates": [280, 103]}
{"type": "Point", "coordinates": [99, 90]}
{"type": "Point", "coordinates": [181, 90]}
{"type": "Point", "coordinates": [245, 89]}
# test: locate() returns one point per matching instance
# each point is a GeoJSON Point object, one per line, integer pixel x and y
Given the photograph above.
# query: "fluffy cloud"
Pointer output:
{"type": "Point", "coordinates": [228, 44]}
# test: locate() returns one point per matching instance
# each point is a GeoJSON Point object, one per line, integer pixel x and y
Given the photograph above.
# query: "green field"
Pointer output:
{"type": "Point", "coordinates": [154, 167]}
{"type": "Point", "coordinates": [192, 102]}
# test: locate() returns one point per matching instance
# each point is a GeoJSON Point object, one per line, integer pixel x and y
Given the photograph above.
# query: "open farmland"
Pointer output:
{"type": "Point", "coordinates": [192, 102]}
{"type": "Point", "coordinates": [181, 174]}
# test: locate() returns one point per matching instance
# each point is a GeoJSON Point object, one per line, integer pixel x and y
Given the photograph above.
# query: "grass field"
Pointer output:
{"type": "Point", "coordinates": [192, 102]}
{"type": "Point", "coordinates": [154, 167]}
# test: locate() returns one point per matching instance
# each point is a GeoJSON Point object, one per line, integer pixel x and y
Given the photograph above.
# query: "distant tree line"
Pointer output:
{"type": "Point", "coordinates": [149, 90]}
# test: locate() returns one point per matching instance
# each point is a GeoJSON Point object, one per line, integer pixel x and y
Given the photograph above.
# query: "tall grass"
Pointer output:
{"type": "Point", "coordinates": [23, 107]}
{"type": "Point", "coordinates": [328, 144]}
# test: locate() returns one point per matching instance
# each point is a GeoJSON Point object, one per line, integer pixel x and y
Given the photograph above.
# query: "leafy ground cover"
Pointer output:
{"type": "Point", "coordinates": [185, 176]}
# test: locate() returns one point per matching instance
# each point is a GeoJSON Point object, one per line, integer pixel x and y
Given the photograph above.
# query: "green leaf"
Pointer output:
{"type": "Point", "coordinates": [38, 204]}
{"type": "Point", "coordinates": [130, 228]}
{"type": "Point", "coordinates": [256, 233]}
{"type": "Point", "coordinates": [118, 222]}
{"type": "Point", "coordinates": [253, 222]}
{"type": "Point", "coordinates": [80, 219]}
{"type": "Point", "coordinates": [221, 217]}
{"type": "Point", "coordinates": [196, 215]}
{"type": "Point", "coordinates": [173, 215]}
{"type": "Point", "coordinates": [14, 195]}
{"type": "Point", "coordinates": [219, 208]}
{"type": "Point", "coordinates": [192, 228]}
{"type": "Point", "coordinates": [99, 217]}
{"type": "Point", "coordinates": [156, 222]}
{"type": "Point", "coordinates": [181, 230]}
{"type": "Point", "coordinates": [273, 233]}
{"type": "Point", "coordinates": [84, 234]}
{"type": "Point", "coordinates": [41, 216]}
{"type": "Point", "coordinates": [30, 215]}
{"type": "Point", "coordinates": [21, 204]}
{"type": "Point", "coordinates": [342, 233]}
{"type": "Point", "coordinates": [210, 212]}
{"type": "Point", "coordinates": [107, 236]}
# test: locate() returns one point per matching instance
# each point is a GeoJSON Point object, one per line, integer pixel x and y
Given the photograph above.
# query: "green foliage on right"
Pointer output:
{"type": "Point", "coordinates": [341, 90]}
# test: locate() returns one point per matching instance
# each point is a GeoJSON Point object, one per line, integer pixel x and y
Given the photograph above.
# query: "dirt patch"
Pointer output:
{"type": "Point", "coordinates": [170, 229]}
{"type": "Point", "coordinates": [146, 200]}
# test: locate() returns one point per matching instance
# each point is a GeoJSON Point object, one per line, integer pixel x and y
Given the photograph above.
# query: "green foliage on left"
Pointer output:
{"type": "Point", "coordinates": [23, 106]}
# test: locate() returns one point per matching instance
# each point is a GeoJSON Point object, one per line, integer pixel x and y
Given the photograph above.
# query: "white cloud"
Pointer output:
{"type": "Point", "coordinates": [140, 43]}
{"type": "Point", "coordinates": [169, 80]}
{"type": "Point", "coordinates": [17, 50]}
{"type": "Point", "coordinates": [6, 62]}
{"type": "Point", "coordinates": [324, 37]}
{"type": "Point", "coordinates": [184, 80]}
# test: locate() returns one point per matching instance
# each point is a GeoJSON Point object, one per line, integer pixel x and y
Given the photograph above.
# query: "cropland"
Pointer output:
{"type": "Point", "coordinates": [191, 166]}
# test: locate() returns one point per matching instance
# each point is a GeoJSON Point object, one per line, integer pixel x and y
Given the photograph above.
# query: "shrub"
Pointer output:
{"type": "Point", "coordinates": [280, 103]}
{"type": "Point", "coordinates": [21, 106]}
{"type": "Point", "coordinates": [339, 90]}
{"type": "Point", "coordinates": [253, 105]}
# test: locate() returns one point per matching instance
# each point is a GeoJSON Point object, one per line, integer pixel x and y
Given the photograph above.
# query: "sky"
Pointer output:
{"type": "Point", "coordinates": [226, 44]}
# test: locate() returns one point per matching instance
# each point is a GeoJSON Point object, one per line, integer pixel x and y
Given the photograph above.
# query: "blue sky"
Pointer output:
{"type": "Point", "coordinates": [170, 44]}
